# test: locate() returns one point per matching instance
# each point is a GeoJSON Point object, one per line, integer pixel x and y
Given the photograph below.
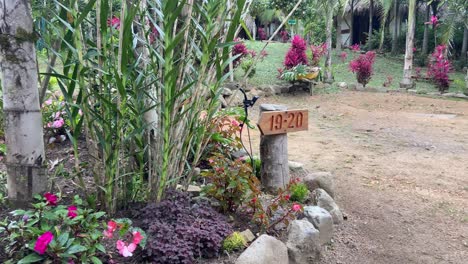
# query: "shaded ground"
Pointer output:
{"type": "Point", "coordinates": [401, 166]}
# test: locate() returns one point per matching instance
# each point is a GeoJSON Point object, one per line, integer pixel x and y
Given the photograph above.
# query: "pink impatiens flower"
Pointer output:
{"type": "Point", "coordinates": [111, 227]}
{"type": "Point", "coordinates": [124, 249]}
{"type": "Point", "coordinates": [48, 102]}
{"type": "Point", "coordinates": [72, 212]}
{"type": "Point", "coordinates": [434, 20]}
{"type": "Point", "coordinates": [42, 242]}
{"type": "Point", "coordinates": [235, 123]}
{"type": "Point", "coordinates": [137, 237]}
{"type": "Point", "coordinates": [58, 123]}
{"type": "Point", "coordinates": [296, 207]}
{"type": "Point", "coordinates": [51, 199]}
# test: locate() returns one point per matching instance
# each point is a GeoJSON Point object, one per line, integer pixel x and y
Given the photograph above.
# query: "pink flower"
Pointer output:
{"type": "Point", "coordinates": [114, 22]}
{"type": "Point", "coordinates": [414, 49]}
{"type": "Point", "coordinates": [124, 249]}
{"type": "Point", "coordinates": [58, 123]}
{"type": "Point", "coordinates": [434, 20]}
{"type": "Point", "coordinates": [49, 124]}
{"type": "Point", "coordinates": [80, 112]}
{"type": "Point", "coordinates": [235, 123]}
{"type": "Point", "coordinates": [72, 212]}
{"type": "Point", "coordinates": [42, 242]}
{"type": "Point", "coordinates": [210, 160]}
{"type": "Point", "coordinates": [48, 102]}
{"type": "Point", "coordinates": [57, 115]}
{"type": "Point", "coordinates": [296, 207]}
{"type": "Point", "coordinates": [111, 227]}
{"type": "Point", "coordinates": [287, 197]}
{"type": "Point", "coordinates": [137, 237]}
{"type": "Point", "coordinates": [51, 199]}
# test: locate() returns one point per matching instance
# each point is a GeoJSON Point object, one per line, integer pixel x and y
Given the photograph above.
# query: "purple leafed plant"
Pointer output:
{"type": "Point", "coordinates": [297, 53]}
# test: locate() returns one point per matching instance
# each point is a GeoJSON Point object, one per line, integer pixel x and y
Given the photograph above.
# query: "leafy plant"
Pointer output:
{"type": "Point", "coordinates": [229, 181]}
{"type": "Point", "coordinates": [439, 68]}
{"type": "Point", "coordinates": [233, 242]}
{"type": "Point", "coordinates": [299, 192]}
{"type": "Point", "coordinates": [284, 36]}
{"type": "Point", "coordinates": [262, 34]}
{"type": "Point", "coordinates": [248, 61]}
{"type": "Point", "coordinates": [293, 73]}
{"type": "Point", "coordinates": [363, 67]}
{"type": "Point", "coordinates": [279, 210]}
{"type": "Point", "coordinates": [53, 232]}
{"type": "Point", "coordinates": [317, 53]}
{"type": "Point", "coordinates": [55, 118]}
{"type": "Point", "coordinates": [179, 230]}
{"type": "Point", "coordinates": [296, 54]}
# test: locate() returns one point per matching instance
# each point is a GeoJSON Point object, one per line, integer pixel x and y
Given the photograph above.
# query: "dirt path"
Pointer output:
{"type": "Point", "coordinates": [401, 167]}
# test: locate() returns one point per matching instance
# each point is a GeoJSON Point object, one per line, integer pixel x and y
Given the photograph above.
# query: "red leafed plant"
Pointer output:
{"type": "Point", "coordinates": [317, 53]}
{"type": "Point", "coordinates": [362, 66]}
{"type": "Point", "coordinates": [284, 36]}
{"type": "Point", "coordinates": [262, 34]}
{"type": "Point", "coordinates": [297, 53]}
{"type": "Point", "coordinates": [241, 50]}
{"type": "Point", "coordinates": [439, 68]}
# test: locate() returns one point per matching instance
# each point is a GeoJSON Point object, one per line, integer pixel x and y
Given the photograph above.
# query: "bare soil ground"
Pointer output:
{"type": "Point", "coordinates": [401, 168]}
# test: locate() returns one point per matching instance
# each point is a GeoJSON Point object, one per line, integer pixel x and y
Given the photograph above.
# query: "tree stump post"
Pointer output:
{"type": "Point", "coordinates": [274, 156]}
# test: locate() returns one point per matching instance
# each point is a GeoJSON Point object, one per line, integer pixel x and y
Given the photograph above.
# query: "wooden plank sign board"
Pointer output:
{"type": "Point", "coordinates": [280, 122]}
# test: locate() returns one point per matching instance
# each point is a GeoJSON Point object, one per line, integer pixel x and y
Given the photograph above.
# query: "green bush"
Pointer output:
{"type": "Point", "coordinates": [233, 242]}
{"type": "Point", "coordinates": [299, 192]}
{"type": "Point", "coordinates": [257, 163]}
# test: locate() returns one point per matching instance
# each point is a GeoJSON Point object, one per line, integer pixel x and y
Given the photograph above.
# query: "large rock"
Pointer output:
{"type": "Point", "coordinates": [295, 166]}
{"type": "Point", "coordinates": [324, 180]}
{"type": "Point", "coordinates": [236, 99]}
{"type": "Point", "coordinates": [303, 242]}
{"type": "Point", "coordinates": [226, 92]}
{"type": "Point", "coordinates": [264, 250]}
{"type": "Point", "coordinates": [322, 220]}
{"type": "Point", "coordinates": [324, 200]}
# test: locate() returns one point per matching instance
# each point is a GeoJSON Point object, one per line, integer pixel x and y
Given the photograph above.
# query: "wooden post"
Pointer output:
{"type": "Point", "coordinates": [274, 155]}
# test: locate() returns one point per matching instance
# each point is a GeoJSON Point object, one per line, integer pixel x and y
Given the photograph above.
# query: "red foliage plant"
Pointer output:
{"type": "Point", "coordinates": [439, 68]}
{"type": "Point", "coordinates": [343, 56]}
{"type": "Point", "coordinates": [262, 34]}
{"type": "Point", "coordinates": [297, 53]}
{"type": "Point", "coordinates": [362, 66]}
{"type": "Point", "coordinates": [241, 50]}
{"type": "Point", "coordinates": [317, 53]}
{"type": "Point", "coordinates": [284, 36]}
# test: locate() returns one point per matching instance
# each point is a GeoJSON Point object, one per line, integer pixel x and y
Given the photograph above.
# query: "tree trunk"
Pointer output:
{"type": "Point", "coordinates": [464, 55]}
{"type": "Point", "coordinates": [425, 47]}
{"type": "Point", "coordinates": [23, 120]}
{"type": "Point", "coordinates": [395, 27]}
{"type": "Point", "coordinates": [407, 82]}
{"type": "Point", "coordinates": [328, 63]}
{"type": "Point", "coordinates": [339, 21]}
{"type": "Point", "coordinates": [371, 14]}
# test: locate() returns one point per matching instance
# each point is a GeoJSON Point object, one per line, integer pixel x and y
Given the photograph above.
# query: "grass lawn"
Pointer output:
{"type": "Point", "coordinates": [385, 66]}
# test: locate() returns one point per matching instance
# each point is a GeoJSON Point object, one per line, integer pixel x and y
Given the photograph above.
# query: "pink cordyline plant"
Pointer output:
{"type": "Point", "coordinates": [439, 67]}
{"type": "Point", "coordinates": [297, 53]}
{"type": "Point", "coordinates": [262, 34]}
{"type": "Point", "coordinates": [363, 67]}
{"type": "Point", "coordinates": [343, 56]}
{"type": "Point", "coordinates": [356, 47]}
{"type": "Point", "coordinates": [317, 53]}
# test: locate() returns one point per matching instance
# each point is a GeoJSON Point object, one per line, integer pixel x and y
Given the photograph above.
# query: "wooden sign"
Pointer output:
{"type": "Point", "coordinates": [280, 122]}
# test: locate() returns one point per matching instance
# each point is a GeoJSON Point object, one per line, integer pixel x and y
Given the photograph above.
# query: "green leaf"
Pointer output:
{"type": "Point", "coordinates": [31, 258]}
{"type": "Point", "coordinates": [101, 248]}
{"type": "Point", "coordinates": [62, 239]}
{"type": "Point", "coordinates": [95, 260]}
{"type": "Point", "coordinates": [75, 249]}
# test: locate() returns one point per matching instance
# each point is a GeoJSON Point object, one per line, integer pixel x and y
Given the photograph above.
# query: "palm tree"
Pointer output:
{"type": "Point", "coordinates": [407, 82]}
{"type": "Point", "coordinates": [396, 8]}
{"type": "Point", "coordinates": [371, 15]}
{"type": "Point", "coordinates": [23, 119]}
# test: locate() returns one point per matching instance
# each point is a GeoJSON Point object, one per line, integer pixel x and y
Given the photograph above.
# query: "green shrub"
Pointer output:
{"type": "Point", "coordinates": [233, 242]}
{"type": "Point", "coordinates": [257, 163]}
{"type": "Point", "coordinates": [299, 192]}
